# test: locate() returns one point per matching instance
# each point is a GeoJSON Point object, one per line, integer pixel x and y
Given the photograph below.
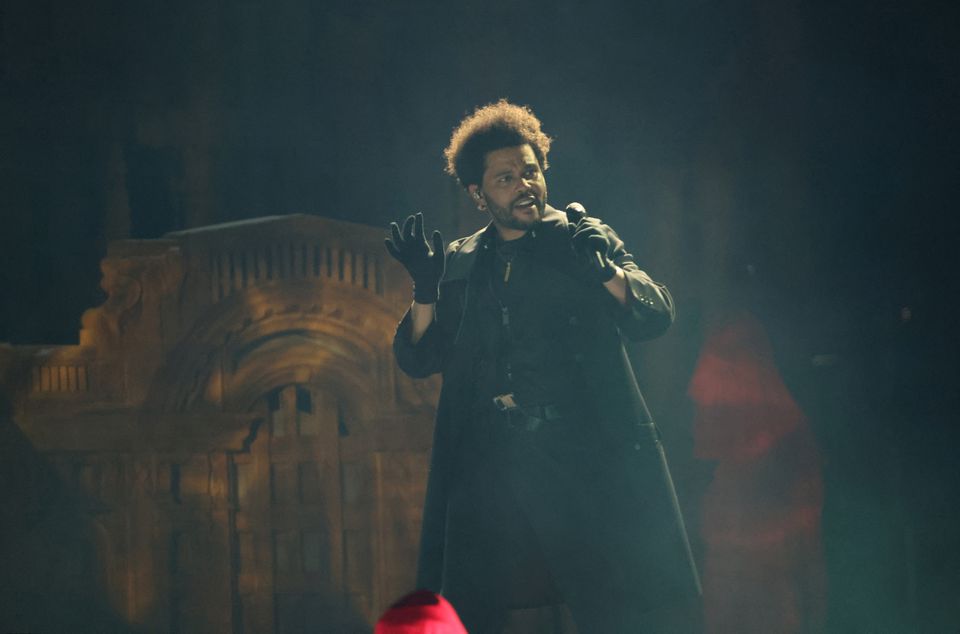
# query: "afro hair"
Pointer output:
{"type": "Point", "coordinates": [491, 127]}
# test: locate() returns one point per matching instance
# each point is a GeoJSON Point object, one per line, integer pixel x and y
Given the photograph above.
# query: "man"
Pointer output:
{"type": "Point", "coordinates": [547, 481]}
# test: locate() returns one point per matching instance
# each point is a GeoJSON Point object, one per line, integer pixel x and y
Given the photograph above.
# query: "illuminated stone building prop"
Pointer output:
{"type": "Point", "coordinates": [233, 424]}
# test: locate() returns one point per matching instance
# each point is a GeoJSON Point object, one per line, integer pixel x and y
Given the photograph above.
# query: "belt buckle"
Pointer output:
{"type": "Point", "coordinates": [505, 402]}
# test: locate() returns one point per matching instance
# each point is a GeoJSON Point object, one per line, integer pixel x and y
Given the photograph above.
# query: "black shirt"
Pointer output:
{"type": "Point", "coordinates": [522, 306]}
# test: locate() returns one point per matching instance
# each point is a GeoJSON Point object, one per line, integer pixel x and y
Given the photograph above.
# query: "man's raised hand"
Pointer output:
{"type": "Point", "coordinates": [425, 265]}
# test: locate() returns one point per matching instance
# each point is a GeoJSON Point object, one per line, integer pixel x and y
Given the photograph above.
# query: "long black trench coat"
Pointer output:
{"type": "Point", "coordinates": [635, 515]}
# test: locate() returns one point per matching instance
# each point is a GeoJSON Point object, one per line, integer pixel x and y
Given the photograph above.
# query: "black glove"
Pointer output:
{"type": "Point", "coordinates": [590, 243]}
{"type": "Point", "coordinates": [410, 248]}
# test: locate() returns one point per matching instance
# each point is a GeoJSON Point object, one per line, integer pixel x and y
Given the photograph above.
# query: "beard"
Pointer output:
{"type": "Point", "coordinates": [505, 217]}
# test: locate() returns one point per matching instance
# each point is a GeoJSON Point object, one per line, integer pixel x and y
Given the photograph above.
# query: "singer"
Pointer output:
{"type": "Point", "coordinates": [548, 482]}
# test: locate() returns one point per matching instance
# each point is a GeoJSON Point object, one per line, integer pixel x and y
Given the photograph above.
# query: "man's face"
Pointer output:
{"type": "Point", "coordinates": [513, 190]}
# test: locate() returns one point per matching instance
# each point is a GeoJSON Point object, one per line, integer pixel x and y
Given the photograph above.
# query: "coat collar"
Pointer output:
{"type": "Point", "coordinates": [464, 252]}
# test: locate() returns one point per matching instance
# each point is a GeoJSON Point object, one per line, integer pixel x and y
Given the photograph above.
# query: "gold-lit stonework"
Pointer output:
{"type": "Point", "coordinates": [248, 457]}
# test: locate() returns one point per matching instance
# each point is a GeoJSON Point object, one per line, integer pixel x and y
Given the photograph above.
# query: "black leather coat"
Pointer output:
{"type": "Point", "coordinates": [632, 490]}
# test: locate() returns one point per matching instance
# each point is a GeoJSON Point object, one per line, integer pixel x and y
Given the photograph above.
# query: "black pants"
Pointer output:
{"type": "Point", "coordinates": [522, 532]}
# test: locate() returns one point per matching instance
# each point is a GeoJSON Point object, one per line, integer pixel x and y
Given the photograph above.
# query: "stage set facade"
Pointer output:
{"type": "Point", "coordinates": [232, 430]}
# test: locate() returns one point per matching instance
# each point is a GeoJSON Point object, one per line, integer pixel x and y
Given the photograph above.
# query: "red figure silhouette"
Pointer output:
{"type": "Point", "coordinates": [763, 569]}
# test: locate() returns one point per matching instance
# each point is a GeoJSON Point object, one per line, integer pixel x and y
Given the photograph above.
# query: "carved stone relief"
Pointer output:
{"type": "Point", "coordinates": [233, 420]}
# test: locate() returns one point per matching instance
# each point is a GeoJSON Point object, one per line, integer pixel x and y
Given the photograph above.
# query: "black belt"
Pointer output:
{"type": "Point", "coordinates": [527, 417]}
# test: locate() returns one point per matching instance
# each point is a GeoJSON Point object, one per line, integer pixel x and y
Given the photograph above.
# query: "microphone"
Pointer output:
{"type": "Point", "coordinates": [575, 213]}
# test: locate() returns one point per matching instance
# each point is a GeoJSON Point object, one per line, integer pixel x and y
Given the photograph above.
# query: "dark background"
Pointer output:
{"type": "Point", "coordinates": [795, 158]}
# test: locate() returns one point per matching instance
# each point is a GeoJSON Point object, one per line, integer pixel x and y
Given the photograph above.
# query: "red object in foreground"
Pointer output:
{"type": "Point", "coordinates": [420, 612]}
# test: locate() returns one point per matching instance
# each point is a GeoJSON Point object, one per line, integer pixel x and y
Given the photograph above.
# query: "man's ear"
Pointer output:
{"type": "Point", "coordinates": [477, 196]}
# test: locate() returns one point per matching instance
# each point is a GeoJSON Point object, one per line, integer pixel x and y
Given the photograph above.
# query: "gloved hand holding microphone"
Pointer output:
{"type": "Point", "coordinates": [590, 244]}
